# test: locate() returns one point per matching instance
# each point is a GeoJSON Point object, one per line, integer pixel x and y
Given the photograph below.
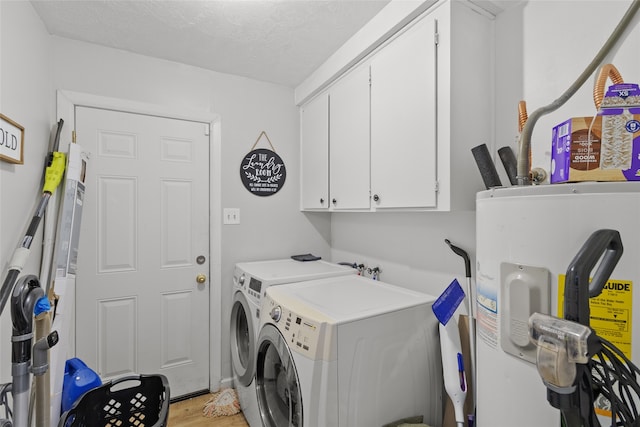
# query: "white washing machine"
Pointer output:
{"type": "Point", "coordinates": [250, 281]}
{"type": "Point", "coordinates": [347, 352]}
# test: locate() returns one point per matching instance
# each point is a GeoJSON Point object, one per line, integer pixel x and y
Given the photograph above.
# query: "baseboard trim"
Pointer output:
{"type": "Point", "coordinates": [188, 396]}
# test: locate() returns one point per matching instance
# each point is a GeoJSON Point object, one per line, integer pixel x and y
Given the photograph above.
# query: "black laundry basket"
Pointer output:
{"type": "Point", "coordinates": [132, 401]}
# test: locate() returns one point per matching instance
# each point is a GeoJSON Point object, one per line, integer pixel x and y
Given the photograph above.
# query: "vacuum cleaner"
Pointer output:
{"type": "Point", "coordinates": [576, 365]}
{"type": "Point", "coordinates": [27, 294]}
{"type": "Point", "coordinates": [27, 298]}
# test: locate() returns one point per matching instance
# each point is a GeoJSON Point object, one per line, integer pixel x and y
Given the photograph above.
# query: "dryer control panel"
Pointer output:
{"type": "Point", "coordinates": [302, 334]}
{"type": "Point", "coordinates": [249, 284]}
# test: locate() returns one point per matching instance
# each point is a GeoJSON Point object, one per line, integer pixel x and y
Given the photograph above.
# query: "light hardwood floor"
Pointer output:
{"type": "Point", "coordinates": [188, 413]}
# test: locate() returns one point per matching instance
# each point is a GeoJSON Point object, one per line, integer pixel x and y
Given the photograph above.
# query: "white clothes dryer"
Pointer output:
{"type": "Point", "coordinates": [347, 352]}
{"type": "Point", "coordinates": [250, 281]}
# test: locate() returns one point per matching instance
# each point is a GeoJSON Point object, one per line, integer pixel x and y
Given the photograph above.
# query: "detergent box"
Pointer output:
{"type": "Point", "coordinates": [605, 147]}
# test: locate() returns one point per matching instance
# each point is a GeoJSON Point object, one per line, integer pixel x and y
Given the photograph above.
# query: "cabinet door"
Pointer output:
{"type": "Point", "coordinates": [403, 120]}
{"type": "Point", "coordinates": [349, 141]}
{"type": "Point", "coordinates": [314, 154]}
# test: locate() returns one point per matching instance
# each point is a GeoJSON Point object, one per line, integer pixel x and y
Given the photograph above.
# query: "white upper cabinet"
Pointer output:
{"type": "Point", "coordinates": [403, 120]}
{"type": "Point", "coordinates": [465, 101]}
{"type": "Point", "coordinates": [349, 141]}
{"type": "Point", "coordinates": [401, 123]}
{"type": "Point", "coordinates": [314, 154]}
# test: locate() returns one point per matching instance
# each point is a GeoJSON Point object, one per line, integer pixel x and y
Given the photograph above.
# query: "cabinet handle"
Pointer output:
{"type": "Point", "coordinates": [334, 201]}
{"type": "Point", "coordinates": [376, 198]}
{"type": "Point", "coordinates": [321, 201]}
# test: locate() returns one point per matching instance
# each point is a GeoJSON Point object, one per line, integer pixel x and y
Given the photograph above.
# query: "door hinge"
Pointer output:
{"type": "Point", "coordinates": [73, 136]}
{"type": "Point", "coordinates": [436, 34]}
{"type": "Point", "coordinates": [206, 129]}
{"type": "Point", "coordinates": [437, 186]}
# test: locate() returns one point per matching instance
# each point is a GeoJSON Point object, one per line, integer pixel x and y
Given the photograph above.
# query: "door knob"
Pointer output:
{"type": "Point", "coordinates": [201, 278]}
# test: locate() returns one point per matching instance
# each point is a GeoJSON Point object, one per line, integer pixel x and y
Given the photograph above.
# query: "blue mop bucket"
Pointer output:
{"type": "Point", "coordinates": [78, 379]}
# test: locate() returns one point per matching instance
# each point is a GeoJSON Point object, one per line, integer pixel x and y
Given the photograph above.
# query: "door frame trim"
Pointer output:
{"type": "Point", "coordinates": [66, 101]}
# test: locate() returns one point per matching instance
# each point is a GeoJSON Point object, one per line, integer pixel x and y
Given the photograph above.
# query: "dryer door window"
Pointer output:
{"type": "Point", "coordinates": [277, 384]}
{"type": "Point", "coordinates": [242, 340]}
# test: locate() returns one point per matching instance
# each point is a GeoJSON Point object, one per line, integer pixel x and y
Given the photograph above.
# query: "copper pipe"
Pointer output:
{"type": "Point", "coordinates": [607, 71]}
{"type": "Point", "coordinates": [522, 115]}
{"type": "Point", "coordinates": [522, 120]}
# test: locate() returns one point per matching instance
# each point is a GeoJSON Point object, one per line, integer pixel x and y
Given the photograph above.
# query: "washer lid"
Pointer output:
{"type": "Point", "coordinates": [288, 270]}
{"type": "Point", "coordinates": [346, 298]}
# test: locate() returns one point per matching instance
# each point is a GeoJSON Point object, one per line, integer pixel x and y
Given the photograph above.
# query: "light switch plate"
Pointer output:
{"type": "Point", "coordinates": [231, 216]}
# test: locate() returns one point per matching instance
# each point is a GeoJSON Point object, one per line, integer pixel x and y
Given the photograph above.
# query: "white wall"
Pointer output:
{"type": "Point", "coordinates": [409, 247]}
{"type": "Point", "coordinates": [26, 96]}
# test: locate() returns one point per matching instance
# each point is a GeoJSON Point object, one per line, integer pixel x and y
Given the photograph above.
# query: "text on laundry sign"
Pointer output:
{"type": "Point", "coordinates": [262, 172]}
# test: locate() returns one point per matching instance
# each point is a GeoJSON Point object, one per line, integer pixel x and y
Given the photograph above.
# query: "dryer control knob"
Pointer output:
{"type": "Point", "coordinates": [276, 313]}
{"type": "Point", "coordinates": [241, 280]}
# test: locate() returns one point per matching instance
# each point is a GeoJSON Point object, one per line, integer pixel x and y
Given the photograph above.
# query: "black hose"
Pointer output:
{"type": "Point", "coordinates": [26, 294]}
{"type": "Point", "coordinates": [461, 252]}
{"type": "Point", "coordinates": [7, 287]}
{"type": "Point", "coordinates": [486, 166]}
{"type": "Point", "coordinates": [510, 163]}
{"type": "Point", "coordinates": [349, 264]}
{"type": "Point", "coordinates": [56, 142]}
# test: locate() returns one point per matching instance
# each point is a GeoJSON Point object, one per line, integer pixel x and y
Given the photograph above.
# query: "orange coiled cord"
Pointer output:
{"type": "Point", "coordinates": [522, 115]}
{"type": "Point", "coordinates": [606, 71]}
{"type": "Point", "coordinates": [522, 120]}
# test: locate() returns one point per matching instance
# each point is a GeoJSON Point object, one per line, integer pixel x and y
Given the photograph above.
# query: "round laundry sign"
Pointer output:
{"type": "Point", "coordinates": [263, 172]}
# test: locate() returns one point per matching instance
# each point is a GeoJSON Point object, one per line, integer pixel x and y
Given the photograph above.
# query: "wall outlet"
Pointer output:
{"type": "Point", "coordinates": [231, 216]}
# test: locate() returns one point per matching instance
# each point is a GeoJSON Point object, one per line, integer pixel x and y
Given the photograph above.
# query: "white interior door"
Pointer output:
{"type": "Point", "coordinates": [144, 241]}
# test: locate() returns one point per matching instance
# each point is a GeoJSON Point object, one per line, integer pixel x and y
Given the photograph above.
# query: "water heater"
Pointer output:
{"type": "Point", "coordinates": [526, 238]}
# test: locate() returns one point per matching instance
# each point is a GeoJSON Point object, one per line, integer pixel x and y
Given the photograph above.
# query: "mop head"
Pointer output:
{"type": "Point", "coordinates": [222, 404]}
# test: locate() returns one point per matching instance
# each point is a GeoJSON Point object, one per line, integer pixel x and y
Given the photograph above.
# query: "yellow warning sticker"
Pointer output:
{"type": "Point", "coordinates": [610, 312]}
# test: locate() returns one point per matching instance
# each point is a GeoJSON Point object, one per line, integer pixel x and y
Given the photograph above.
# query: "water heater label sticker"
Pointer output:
{"type": "Point", "coordinates": [611, 312]}
{"type": "Point", "coordinates": [487, 316]}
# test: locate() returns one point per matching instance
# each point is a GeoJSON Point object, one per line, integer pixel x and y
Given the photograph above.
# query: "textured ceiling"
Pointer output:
{"type": "Point", "coordinates": [279, 41]}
